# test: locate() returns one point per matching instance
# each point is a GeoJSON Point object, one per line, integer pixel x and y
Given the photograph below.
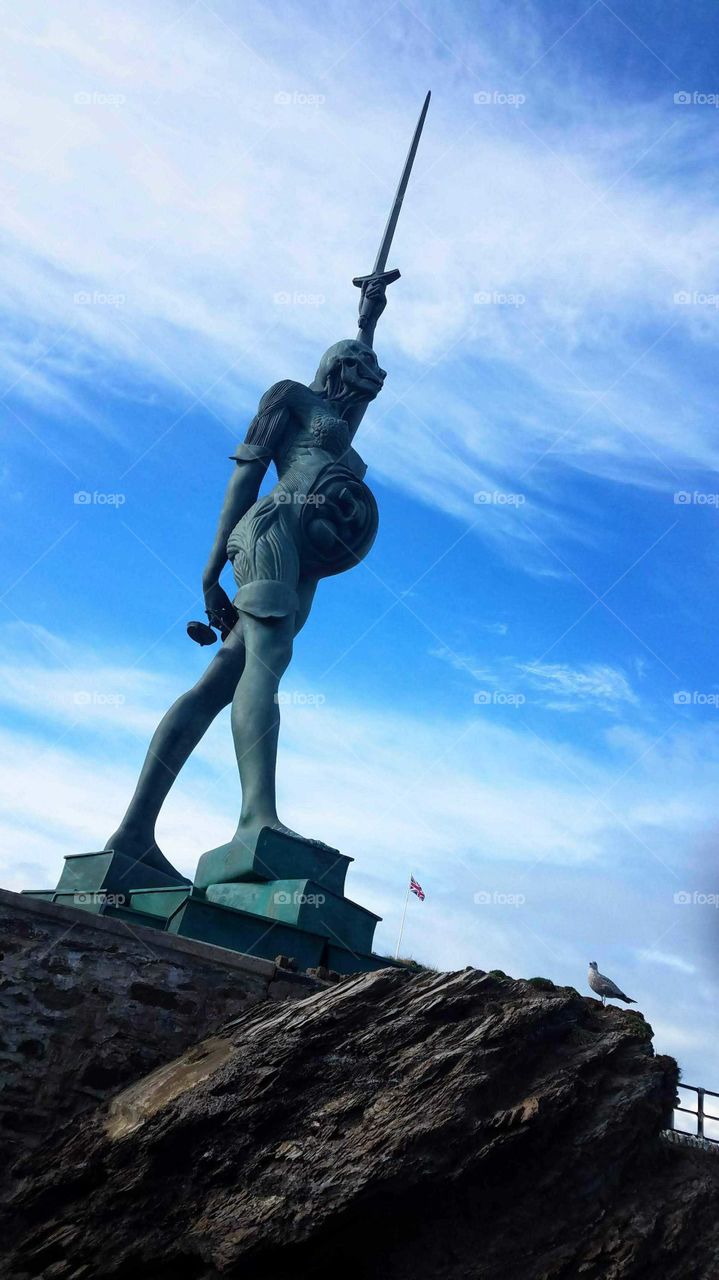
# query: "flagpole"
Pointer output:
{"type": "Point", "coordinates": [404, 913]}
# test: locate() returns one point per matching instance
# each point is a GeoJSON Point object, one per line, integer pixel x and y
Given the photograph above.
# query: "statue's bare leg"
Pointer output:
{"type": "Point", "coordinates": [256, 714]}
{"type": "Point", "coordinates": [256, 717]}
{"type": "Point", "coordinates": [176, 736]}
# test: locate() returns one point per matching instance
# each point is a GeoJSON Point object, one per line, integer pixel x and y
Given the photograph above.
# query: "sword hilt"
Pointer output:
{"type": "Point", "coordinates": [222, 620]}
{"type": "Point", "coordinates": [381, 277]}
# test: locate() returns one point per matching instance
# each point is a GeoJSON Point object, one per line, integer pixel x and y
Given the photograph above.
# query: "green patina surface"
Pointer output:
{"type": "Point", "coordinates": [158, 902]}
{"type": "Point", "coordinates": [275, 856]}
{"type": "Point", "coordinates": [297, 914]}
{"type": "Point", "coordinates": [131, 917]}
{"type": "Point", "coordinates": [110, 872]}
{"type": "Point", "coordinates": [254, 935]}
{"type": "Point", "coordinates": [303, 903]}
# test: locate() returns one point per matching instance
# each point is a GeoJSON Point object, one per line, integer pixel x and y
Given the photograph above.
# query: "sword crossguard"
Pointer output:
{"type": "Point", "coordinates": [383, 277]}
{"type": "Point", "coordinates": [366, 309]}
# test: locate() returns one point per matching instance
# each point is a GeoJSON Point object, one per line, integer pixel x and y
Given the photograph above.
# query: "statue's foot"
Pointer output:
{"type": "Point", "coordinates": [248, 833]}
{"type": "Point", "coordinates": [287, 831]}
{"type": "Point", "coordinates": [143, 849]}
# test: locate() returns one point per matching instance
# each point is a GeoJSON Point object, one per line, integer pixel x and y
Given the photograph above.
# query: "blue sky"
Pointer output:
{"type": "Point", "coordinates": [490, 701]}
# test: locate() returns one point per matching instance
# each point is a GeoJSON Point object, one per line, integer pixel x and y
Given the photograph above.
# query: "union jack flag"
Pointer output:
{"type": "Point", "coordinates": [416, 888]}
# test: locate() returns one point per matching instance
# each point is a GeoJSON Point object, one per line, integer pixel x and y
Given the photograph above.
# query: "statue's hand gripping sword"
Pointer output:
{"type": "Point", "coordinates": [378, 274]}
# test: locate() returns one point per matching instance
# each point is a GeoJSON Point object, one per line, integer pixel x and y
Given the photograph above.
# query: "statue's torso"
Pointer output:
{"type": "Point", "coordinates": [315, 436]}
{"type": "Point", "coordinates": [320, 518]}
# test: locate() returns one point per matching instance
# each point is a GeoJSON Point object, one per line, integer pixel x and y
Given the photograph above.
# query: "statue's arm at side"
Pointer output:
{"type": "Point", "coordinates": [253, 458]}
{"type": "Point", "coordinates": [241, 493]}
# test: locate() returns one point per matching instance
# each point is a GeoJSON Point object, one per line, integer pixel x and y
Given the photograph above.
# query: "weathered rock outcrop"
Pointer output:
{"type": "Point", "coordinates": [424, 1126]}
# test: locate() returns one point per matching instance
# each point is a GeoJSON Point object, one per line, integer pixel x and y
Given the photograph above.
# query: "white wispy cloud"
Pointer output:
{"type": "Point", "coordinates": [574, 687]}
{"type": "Point", "coordinates": [116, 191]}
{"type": "Point", "coordinates": [554, 685]}
{"type": "Point", "coordinates": [463, 662]}
{"type": "Point", "coordinates": [667, 959]}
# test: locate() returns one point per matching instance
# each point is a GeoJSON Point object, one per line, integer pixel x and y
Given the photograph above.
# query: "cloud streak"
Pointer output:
{"type": "Point", "coordinates": [127, 199]}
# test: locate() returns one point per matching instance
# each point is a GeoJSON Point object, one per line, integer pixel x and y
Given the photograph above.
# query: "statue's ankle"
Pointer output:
{"type": "Point", "coordinates": [252, 820]}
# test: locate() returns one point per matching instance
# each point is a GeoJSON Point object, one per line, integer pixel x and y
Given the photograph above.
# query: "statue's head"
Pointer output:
{"type": "Point", "coordinates": [348, 373]}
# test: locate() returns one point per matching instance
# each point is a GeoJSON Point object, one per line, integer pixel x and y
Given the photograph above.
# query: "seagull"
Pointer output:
{"type": "Point", "coordinates": [604, 987]}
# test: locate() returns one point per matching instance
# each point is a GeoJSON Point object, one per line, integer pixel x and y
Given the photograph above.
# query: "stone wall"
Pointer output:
{"type": "Point", "coordinates": [88, 1004]}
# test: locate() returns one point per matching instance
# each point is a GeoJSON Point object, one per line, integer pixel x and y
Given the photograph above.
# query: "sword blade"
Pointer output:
{"type": "Point", "coordinates": [386, 241]}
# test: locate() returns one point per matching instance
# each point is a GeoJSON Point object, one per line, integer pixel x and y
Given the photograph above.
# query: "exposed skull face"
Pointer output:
{"type": "Point", "coordinates": [361, 374]}
{"type": "Point", "coordinates": [349, 372]}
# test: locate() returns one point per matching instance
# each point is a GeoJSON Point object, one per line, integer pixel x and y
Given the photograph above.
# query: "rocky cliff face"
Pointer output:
{"type": "Point", "coordinates": [423, 1126]}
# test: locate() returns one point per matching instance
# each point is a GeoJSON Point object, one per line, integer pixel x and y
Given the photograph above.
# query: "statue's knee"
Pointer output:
{"type": "Point", "coordinates": [269, 643]}
{"type": "Point", "coordinates": [276, 655]}
{"type": "Point", "coordinates": [218, 684]}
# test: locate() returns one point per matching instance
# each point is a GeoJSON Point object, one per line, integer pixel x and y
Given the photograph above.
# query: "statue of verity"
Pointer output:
{"type": "Point", "coordinates": [319, 519]}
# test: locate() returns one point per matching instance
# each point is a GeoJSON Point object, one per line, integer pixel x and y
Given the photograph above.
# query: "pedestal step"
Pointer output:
{"type": "Point", "coordinates": [274, 857]}
{"type": "Point", "coordinates": [158, 902]}
{"type": "Point", "coordinates": [240, 931]}
{"type": "Point", "coordinates": [94, 881]}
{"type": "Point", "coordinates": [304, 903]}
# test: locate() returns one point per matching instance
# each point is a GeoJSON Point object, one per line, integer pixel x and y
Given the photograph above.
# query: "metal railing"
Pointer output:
{"type": "Point", "coordinates": [700, 1113]}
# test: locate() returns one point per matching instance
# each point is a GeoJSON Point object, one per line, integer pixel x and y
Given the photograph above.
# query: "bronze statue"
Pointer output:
{"type": "Point", "coordinates": [319, 519]}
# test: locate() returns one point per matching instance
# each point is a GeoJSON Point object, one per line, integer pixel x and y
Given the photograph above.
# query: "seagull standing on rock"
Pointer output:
{"type": "Point", "coordinates": [604, 987]}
